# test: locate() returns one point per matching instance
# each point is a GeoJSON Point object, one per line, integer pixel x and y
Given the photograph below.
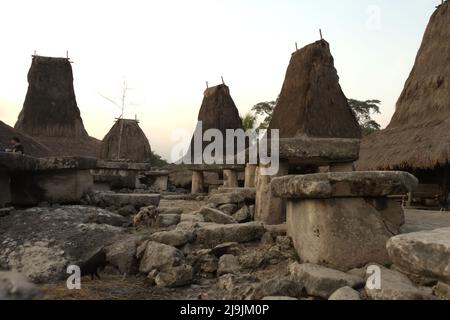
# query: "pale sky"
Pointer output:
{"type": "Point", "coordinates": [168, 49]}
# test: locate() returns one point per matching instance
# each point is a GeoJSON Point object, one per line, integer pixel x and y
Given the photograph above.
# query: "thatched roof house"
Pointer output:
{"type": "Point", "coordinates": [50, 112]}
{"type": "Point", "coordinates": [218, 111]}
{"type": "Point", "coordinates": [126, 142]}
{"type": "Point", "coordinates": [418, 137]}
{"type": "Point", "coordinates": [32, 147]}
{"type": "Point", "coordinates": [311, 102]}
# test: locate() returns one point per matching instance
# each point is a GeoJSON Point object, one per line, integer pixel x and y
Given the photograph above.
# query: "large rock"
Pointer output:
{"type": "Point", "coordinates": [279, 288]}
{"type": "Point", "coordinates": [216, 216]}
{"type": "Point", "coordinates": [346, 293]}
{"type": "Point", "coordinates": [228, 264]}
{"type": "Point", "coordinates": [376, 184]}
{"type": "Point", "coordinates": [119, 200]}
{"type": "Point", "coordinates": [161, 257]}
{"type": "Point", "coordinates": [42, 242]}
{"type": "Point", "coordinates": [15, 286]}
{"type": "Point", "coordinates": [323, 282]}
{"type": "Point", "coordinates": [174, 238]}
{"type": "Point", "coordinates": [343, 233]}
{"type": "Point", "coordinates": [425, 254]}
{"type": "Point", "coordinates": [396, 286]}
{"type": "Point", "coordinates": [249, 194]}
{"type": "Point", "coordinates": [175, 277]}
{"type": "Point", "coordinates": [213, 235]}
{"type": "Point", "coordinates": [227, 198]}
{"type": "Point", "coordinates": [122, 254]}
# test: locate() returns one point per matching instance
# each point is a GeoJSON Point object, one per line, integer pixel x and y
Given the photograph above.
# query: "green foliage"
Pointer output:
{"type": "Point", "coordinates": [157, 161]}
{"type": "Point", "coordinates": [363, 111]}
{"type": "Point", "coordinates": [249, 121]}
{"type": "Point", "coordinates": [265, 109]}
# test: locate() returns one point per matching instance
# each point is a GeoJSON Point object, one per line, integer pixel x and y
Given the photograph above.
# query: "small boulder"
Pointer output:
{"type": "Point", "coordinates": [216, 216]}
{"type": "Point", "coordinates": [175, 277]}
{"type": "Point", "coordinates": [323, 282]}
{"type": "Point", "coordinates": [15, 286]}
{"type": "Point", "coordinates": [243, 215]}
{"type": "Point", "coordinates": [279, 287]}
{"type": "Point", "coordinates": [346, 293]}
{"type": "Point", "coordinates": [159, 256]}
{"type": "Point", "coordinates": [229, 209]}
{"type": "Point", "coordinates": [175, 238]}
{"type": "Point", "coordinates": [167, 220]}
{"type": "Point", "coordinates": [213, 235]}
{"type": "Point", "coordinates": [228, 264]}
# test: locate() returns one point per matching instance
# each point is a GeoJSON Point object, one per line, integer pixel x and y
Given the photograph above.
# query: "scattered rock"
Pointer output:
{"type": "Point", "coordinates": [192, 218]}
{"type": "Point", "coordinates": [122, 255]}
{"type": "Point", "coordinates": [207, 263]}
{"type": "Point", "coordinates": [120, 200]}
{"type": "Point", "coordinates": [174, 238]}
{"type": "Point", "coordinates": [229, 209]}
{"type": "Point", "coordinates": [424, 253]}
{"type": "Point", "coordinates": [396, 286]}
{"type": "Point", "coordinates": [216, 216]}
{"type": "Point", "coordinates": [279, 287]}
{"type": "Point", "coordinates": [228, 264]}
{"type": "Point", "coordinates": [253, 260]}
{"type": "Point", "coordinates": [323, 282]}
{"type": "Point", "coordinates": [243, 215]}
{"type": "Point", "coordinates": [159, 256]}
{"type": "Point", "coordinates": [279, 299]}
{"type": "Point", "coordinates": [170, 210]}
{"type": "Point", "coordinates": [175, 277]}
{"type": "Point", "coordinates": [127, 211]}
{"type": "Point", "coordinates": [442, 291]}
{"type": "Point", "coordinates": [214, 235]}
{"type": "Point", "coordinates": [14, 286]}
{"type": "Point", "coordinates": [225, 248]}
{"type": "Point", "coordinates": [267, 239]}
{"type": "Point", "coordinates": [345, 293]}
{"type": "Point", "coordinates": [167, 220]}
{"type": "Point", "coordinates": [5, 211]}
{"type": "Point", "coordinates": [226, 198]}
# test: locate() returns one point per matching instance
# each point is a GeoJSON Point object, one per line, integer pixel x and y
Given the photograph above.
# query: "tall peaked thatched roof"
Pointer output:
{"type": "Point", "coordinates": [418, 136]}
{"type": "Point", "coordinates": [134, 145]}
{"type": "Point", "coordinates": [31, 146]}
{"type": "Point", "coordinates": [218, 111]}
{"type": "Point", "coordinates": [50, 112]}
{"type": "Point", "coordinates": [311, 102]}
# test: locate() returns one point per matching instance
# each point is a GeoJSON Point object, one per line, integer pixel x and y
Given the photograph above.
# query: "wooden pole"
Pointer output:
{"type": "Point", "coordinates": [223, 82]}
{"type": "Point", "coordinates": [321, 36]}
{"type": "Point", "coordinates": [207, 85]}
{"type": "Point", "coordinates": [296, 46]}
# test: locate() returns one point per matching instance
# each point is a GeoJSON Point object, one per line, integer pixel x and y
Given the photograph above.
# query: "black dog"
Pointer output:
{"type": "Point", "coordinates": [94, 265]}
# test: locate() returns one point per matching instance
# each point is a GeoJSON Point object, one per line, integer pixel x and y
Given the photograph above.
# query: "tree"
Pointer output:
{"type": "Point", "coordinates": [157, 161]}
{"type": "Point", "coordinates": [363, 111]}
{"type": "Point", "coordinates": [265, 109]}
{"type": "Point", "coordinates": [249, 121]}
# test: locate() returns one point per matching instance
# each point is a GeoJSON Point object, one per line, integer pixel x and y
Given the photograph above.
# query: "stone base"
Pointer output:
{"type": "Point", "coordinates": [230, 179]}
{"type": "Point", "coordinates": [197, 182]}
{"type": "Point", "coordinates": [62, 186]}
{"type": "Point", "coordinates": [343, 233]}
{"type": "Point", "coordinates": [5, 192]}
{"type": "Point", "coordinates": [269, 209]}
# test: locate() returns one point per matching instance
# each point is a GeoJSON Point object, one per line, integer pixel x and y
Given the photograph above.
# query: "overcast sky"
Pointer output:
{"type": "Point", "coordinates": [168, 49]}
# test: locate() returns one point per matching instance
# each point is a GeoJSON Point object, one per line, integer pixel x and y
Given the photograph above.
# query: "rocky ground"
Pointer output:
{"type": "Point", "coordinates": [200, 249]}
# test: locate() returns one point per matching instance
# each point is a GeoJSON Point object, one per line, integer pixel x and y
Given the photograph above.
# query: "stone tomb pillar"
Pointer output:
{"type": "Point", "coordinates": [269, 209]}
{"type": "Point", "coordinates": [197, 182]}
{"type": "Point", "coordinates": [5, 189]}
{"type": "Point", "coordinates": [343, 220]}
{"type": "Point", "coordinates": [230, 179]}
{"type": "Point", "coordinates": [250, 176]}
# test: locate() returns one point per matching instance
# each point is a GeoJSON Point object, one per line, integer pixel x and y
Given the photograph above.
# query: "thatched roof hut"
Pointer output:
{"type": "Point", "coordinates": [311, 102]}
{"type": "Point", "coordinates": [218, 111]}
{"type": "Point", "coordinates": [50, 112]}
{"type": "Point", "coordinates": [418, 137]}
{"type": "Point", "coordinates": [32, 147]}
{"type": "Point", "coordinates": [126, 142]}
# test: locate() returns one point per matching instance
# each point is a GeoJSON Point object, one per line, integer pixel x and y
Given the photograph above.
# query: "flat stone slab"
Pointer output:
{"type": "Point", "coordinates": [134, 199]}
{"type": "Point", "coordinates": [344, 185]}
{"type": "Point", "coordinates": [213, 235]}
{"type": "Point", "coordinates": [425, 254]}
{"type": "Point", "coordinates": [113, 165]}
{"type": "Point", "coordinates": [215, 167]}
{"type": "Point", "coordinates": [321, 152]}
{"type": "Point", "coordinates": [248, 193]}
{"type": "Point", "coordinates": [17, 162]}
